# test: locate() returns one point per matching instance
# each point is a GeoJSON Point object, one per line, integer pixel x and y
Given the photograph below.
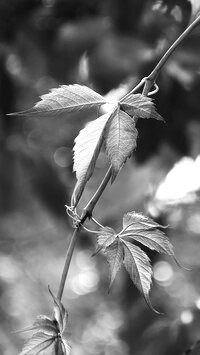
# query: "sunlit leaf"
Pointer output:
{"type": "Point", "coordinates": [106, 236]}
{"type": "Point", "coordinates": [138, 228]}
{"type": "Point", "coordinates": [195, 9]}
{"type": "Point", "coordinates": [139, 268]}
{"type": "Point", "coordinates": [121, 136]}
{"type": "Point", "coordinates": [43, 325]}
{"type": "Point", "coordinates": [153, 239]}
{"type": "Point", "coordinates": [65, 99]}
{"type": "Point", "coordinates": [115, 255]}
{"type": "Point", "coordinates": [86, 151]}
{"type": "Point", "coordinates": [140, 106]}
{"type": "Point", "coordinates": [137, 221]}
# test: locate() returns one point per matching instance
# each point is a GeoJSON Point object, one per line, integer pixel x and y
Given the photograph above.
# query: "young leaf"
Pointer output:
{"type": "Point", "coordinates": [120, 140]}
{"type": "Point", "coordinates": [115, 255]}
{"type": "Point", "coordinates": [43, 325]}
{"type": "Point", "coordinates": [86, 151]}
{"type": "Point", "coordinates": [140, 106]}
{"type": "Point", "coordinates": [195, 9]}
{"type": "Point", "coordinates": [153, 239]}
{"type": "Point", "coordinates": [60, 313]}
{"type": "Point", "coordinates": [138, 266]}
{"type": "Point", "coordinates": [136, 221]}
{"type": "Point", "coordinates": [48, 335]}
{"type": "Point", "coordinates": [65, 99]}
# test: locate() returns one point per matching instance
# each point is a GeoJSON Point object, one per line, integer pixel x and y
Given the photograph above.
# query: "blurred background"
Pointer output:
{"type": "Point", "coordinates": [107, 45]}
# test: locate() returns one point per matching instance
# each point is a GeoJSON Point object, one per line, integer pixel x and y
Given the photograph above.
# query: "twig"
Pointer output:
{"type": "Point", "coordinates": [87, 213]}
{"type": "Point", "coordinates": [150, 80]}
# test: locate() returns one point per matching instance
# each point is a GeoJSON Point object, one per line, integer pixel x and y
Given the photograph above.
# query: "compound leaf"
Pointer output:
{"type": "Point", "coordinates": [86, 151]}
{"type": "Point", "coordinates": [120, 140]}
{"type": "Point", "coordinates": [65, 99]}
{"type": "Point", "coordinates": [140, 106]}
{"type": "Point", "coordinates": [138, 266]}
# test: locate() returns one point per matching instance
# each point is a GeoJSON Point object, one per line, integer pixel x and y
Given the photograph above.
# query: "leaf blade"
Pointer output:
{"type": "Point", "coordinates": [120, 140]}
{"type": "Point", "coordinates": [140, 106]}
{"type": "Point", "coordinates": [86, 151]}
{"type": "Point", "coordinates": [114, 254]}
{"type": "Point", "coordinates": [65, 99]}
{"type": "Point", "coordinates": [137, 221]}
{"type": "Point", "coordinates": [106, 236]}
{"type": "Point", "coordinates": [38, 343]}
{"type": "Point", "coordinates": [139, 268]}
{"type": "Point", "coordinates": [152, 239]}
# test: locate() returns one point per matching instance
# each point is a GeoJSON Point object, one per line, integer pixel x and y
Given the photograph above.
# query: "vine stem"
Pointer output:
{"type": "Point", "coordinates": [151, 78]}
{"type": "Point", "coordinates": [148, 82]}
{"type": "Point", "coordinates": [87, 213]}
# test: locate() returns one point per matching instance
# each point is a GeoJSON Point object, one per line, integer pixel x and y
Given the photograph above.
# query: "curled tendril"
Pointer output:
{"type": "Point", "coordinates": [154, 91]}
{"type": "Point", "coordinates": [73, 215]}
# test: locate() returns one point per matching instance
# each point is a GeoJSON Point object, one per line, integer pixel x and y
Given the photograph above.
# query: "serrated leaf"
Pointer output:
{"type": "Point", "coordinates": [195, 9]}
{"type": "Point", "coordinates": [115, 255]}
{"type": "Point", "coordinates": [37, 344]}
{"type": "Point", "coordinates": [65, 99]}
{"type": "Point", "coordinates": [139, 268]}
{"type": "Point", "coordinates": [153, 239]}
{"type": "Point", "coordinates": [106, 236]}
{"type": "Point", "coordinates": [86, 151]}
{"type": "Point", "coordinates": [60, 313]}
{"type": "Point", "coordinates": [43, 325]}
{"type": "Point", "coordinates": [120, 140]}
{"type": "Point", "coordinates": [136, 221]}
{"type": "Point", "coordinates": [140, 106]}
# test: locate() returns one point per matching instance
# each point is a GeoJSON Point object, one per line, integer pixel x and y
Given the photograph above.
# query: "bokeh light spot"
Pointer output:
{"type": "Point", "coordinates": [193, 223]}
{"type": "Point", "coordinates": [186, 317]}
{"type": "Point", "coordinates": [197, 303]}
{"type": "Point", "coordinates": [85, 282]}
{"type": "Point", "coordinates": [62, 157]}
{"type": "Point", "coordinates": [163, 272]}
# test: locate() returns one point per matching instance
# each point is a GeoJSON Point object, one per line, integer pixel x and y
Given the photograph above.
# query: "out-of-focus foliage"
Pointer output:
{"type": "Point", "coordinates": [44, 44]}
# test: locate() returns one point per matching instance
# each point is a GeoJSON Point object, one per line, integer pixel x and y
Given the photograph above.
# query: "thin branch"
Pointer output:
{"type": "Point", "coordinates": [138, 86]}
{"type": "Point", "coordinates": [68, 260]}
{"type": "Point", "coordinates": [87, 213]}
{"type": "Point", "coordinates": [96, 222]}
{"type": "Point", "coordinates": [150, 80]}
{"type": "Point", "coordinates": [89, 230]}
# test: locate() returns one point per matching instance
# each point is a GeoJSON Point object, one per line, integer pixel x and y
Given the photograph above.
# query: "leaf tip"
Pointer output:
{"type": "Point", "coordinates": [147, 299]}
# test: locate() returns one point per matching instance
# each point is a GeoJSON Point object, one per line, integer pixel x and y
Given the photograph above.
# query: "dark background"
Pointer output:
{"type": "Point", "coordinates": [101, 44]}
